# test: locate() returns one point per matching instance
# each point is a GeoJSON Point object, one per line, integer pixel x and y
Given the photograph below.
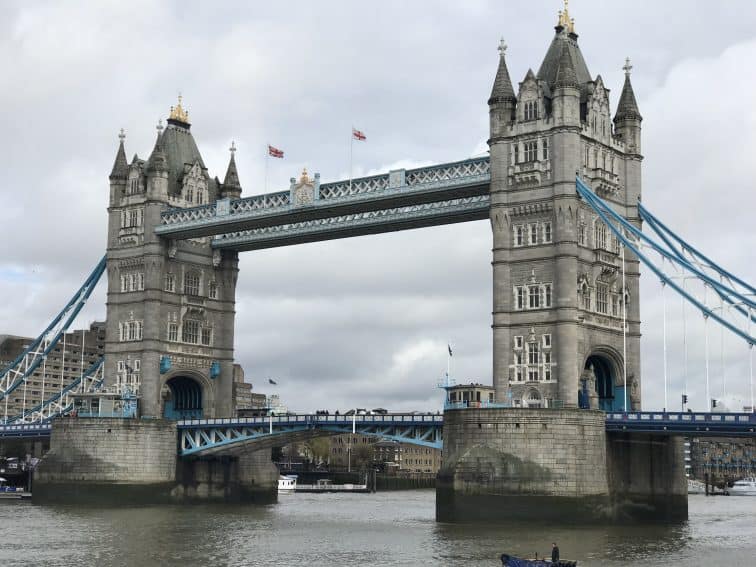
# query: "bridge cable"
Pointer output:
{"type": "Point", "coordinates": [706, 339]}
{"type": "Point", "coordinates": [624, 328]}
{"type": "Point", "coordinates": [685, 348]}
{"type": "Point", "coordinates": [664, 326]}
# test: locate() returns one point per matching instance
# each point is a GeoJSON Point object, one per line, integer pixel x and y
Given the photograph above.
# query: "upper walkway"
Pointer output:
{"type": "Point", "coordinates": [396, 200]}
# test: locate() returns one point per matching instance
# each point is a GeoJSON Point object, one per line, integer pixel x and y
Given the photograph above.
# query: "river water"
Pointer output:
{"type": "Point", "coordinates": [387, 528]}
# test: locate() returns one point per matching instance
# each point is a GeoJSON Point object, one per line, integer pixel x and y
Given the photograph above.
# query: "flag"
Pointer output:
{"type": "Point", "coordinates": [271, 381]}
{"type": "Point", "coordinates": [357, 135]}
{"type": "Point", "coordinates": [450, 351]}
{"type": "Point", "coordinates": [275, 152]}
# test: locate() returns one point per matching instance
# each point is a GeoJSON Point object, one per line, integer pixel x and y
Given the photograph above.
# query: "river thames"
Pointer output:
{"type": "Point", "coordinates": [387, 528]}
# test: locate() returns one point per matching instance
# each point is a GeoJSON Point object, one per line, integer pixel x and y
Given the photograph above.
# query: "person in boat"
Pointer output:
{"type": "Point", "coordinates": [554, 553]}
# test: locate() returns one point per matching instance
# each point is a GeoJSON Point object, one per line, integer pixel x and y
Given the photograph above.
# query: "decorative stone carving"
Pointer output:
{"type": "Point", "coordinates": [306, 190]}
{"type": "Point", "coordinates": [172, 249]}
{"type": "Point", "coordinates": [217, 257]}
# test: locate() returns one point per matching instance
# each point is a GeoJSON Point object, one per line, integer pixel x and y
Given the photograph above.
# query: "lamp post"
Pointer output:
{"type": "Point", "coordinates": [349, 443]}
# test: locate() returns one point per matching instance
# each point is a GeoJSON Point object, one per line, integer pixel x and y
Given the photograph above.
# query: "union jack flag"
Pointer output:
{"type": "Point", "coordinates": [275, 152]}
{"type": "Point", "coordinates": [357, 135]}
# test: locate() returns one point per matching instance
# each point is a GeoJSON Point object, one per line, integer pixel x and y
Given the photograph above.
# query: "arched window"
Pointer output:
{"type": "Point", "coordinates": [599, 235]}
{"type": "Point", "coordinates": [533, 399]}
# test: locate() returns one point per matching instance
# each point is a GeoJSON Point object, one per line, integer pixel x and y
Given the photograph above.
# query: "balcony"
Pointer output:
{"type": "Point", "coordinates": [529, 172]}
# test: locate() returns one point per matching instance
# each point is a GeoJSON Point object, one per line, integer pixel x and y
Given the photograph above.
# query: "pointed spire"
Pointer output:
{"type": "Point", "coordinates": [502, 88]}
{"type": "Point", "coordinates": [231, 181]}
{"type": "Point", "coordinates": [565, 73]}
{"type": "Point", "coordinates": [120, 166]}
{"type": "Point", "coordinates": [627, 108]}
{"type": "Point", "coordinates": [158, 161]}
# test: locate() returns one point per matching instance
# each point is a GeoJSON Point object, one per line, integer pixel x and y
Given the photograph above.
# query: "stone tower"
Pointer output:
{"type": "Point", "coordinates": [170, 304]}
{"type": "Point", "coordinates": [557, 272]}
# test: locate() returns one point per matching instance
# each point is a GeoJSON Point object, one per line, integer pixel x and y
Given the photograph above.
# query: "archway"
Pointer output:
{"type": "Point", "coordinates": [610, 396]}
{"type": "Point", "coordinates": [533, 399]}
{"type": "Point", "coordinates": [184, 399]}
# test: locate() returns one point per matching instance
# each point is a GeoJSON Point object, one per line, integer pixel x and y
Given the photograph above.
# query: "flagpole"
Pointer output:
{"type": "Point", "coordinates": [448, 361]}
{"type": "Point", "coordinates": [267, 158]}
{"type": "Point", "coordinates": [351, 146]}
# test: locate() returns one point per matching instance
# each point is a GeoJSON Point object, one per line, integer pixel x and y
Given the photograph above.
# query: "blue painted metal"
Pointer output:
{"type": "Point", "coordinates": [214, 435]}
{"type": "Point", "coordinates": [27, 430]}
{"type": "Point", "coordinates": [215, 369]}
{"type": "Point", "coordinates": [683, 423]}
{"type": "Point", "coordinates": [165, 364]}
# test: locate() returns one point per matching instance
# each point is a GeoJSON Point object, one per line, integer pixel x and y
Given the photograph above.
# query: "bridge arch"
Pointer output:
{"type": "Point", "coordinates": [602, 370]}
{"type": "Point", "coordinates": [186, 394]}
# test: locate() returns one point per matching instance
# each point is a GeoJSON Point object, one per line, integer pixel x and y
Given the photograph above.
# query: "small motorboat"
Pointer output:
{"type": "Point", "coordinates": [287, 483]}
{"type": "Point", "coordinates": [512, 561]}
{"type": "Point", "coordinates": [743, 487]}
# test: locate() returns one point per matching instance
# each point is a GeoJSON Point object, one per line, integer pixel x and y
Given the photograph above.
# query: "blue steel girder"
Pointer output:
{"type": "Point", "coordinates": [206, 436]}
{"type": "Point", "coordinates": [359, 224]}
{"type": "Point", "coordinates": [438, 183]}
{"type": "Point", "coordinates": [693, 424]}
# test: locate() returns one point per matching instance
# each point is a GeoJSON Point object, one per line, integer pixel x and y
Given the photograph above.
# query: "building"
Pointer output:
{"type": "Point", "coordinates": [357, 451]}
{"type": "Point", "coordinates": [170, 303]}
{"type": "Point", "coordinates": [558, 271]}
{"type": "Point", "coordinates": [74, 354]}
{"type": "Point", "coordinates": [722, 457]}
{"type": "Point", "coordinates": [469, 395]}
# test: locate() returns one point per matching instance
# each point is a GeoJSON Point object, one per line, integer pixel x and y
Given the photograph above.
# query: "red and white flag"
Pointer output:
{"type": "Point", "coordinates": [357, 135]}
{"type": "Point", "coordinates": [275, 152]}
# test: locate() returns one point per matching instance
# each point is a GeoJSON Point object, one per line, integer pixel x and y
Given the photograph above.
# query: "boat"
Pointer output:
{"type": "Point", "coordinates": [512, 561]}
{"type": "Point", "coordinates": [743, 487]}
{"type": "Point", "coordinates": [696, 487]}
{"type": "Point", "coordinates": [287, 483]}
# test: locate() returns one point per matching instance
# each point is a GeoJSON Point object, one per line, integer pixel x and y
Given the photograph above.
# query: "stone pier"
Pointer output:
{"type": "Point", "coordinates": [553, 465]}
{"type": "Point", "coordinates": [136, 461]}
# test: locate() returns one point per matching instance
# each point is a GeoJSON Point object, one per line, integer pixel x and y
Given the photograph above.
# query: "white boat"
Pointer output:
{"type": "Point", "coordinates": [744, 487]}
{"type": "Point", "coordinates": [696, 487]}
{"type": "Point", "coordinates": [287, 483]}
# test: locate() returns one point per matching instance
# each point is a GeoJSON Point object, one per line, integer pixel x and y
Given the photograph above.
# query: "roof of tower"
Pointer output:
{"type": "Point", "coordinates": [157, 160]}
{"type": "Point", "coordinates": [627, 106]}
{"type": "Point", "coordinates": [120, 165]}
{"type": "Point", "coordinates": [564, 40]}
{"type": "Point", "coordinates": [502, 88]}
{"type": "Point", "coordinates": [565, 72]}
{"type": "Point", "coordinates": [232, 175]}
{"type": "Point", "coordinates": [179, 147]}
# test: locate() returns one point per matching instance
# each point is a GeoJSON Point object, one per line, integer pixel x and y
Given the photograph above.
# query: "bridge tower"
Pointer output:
{"type": "Point", "coordinates": [558, 294]}
{"type": "Point", "coordinates": [170, 304]}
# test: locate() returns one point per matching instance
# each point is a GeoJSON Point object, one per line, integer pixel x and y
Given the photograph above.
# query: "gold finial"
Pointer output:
{"type": "Point", "coordinates": [627, 67]}
{"type": "Point", "coordinates": [564, 18]}
{"type": "Point", "coordinates": [178, 112]}
{"type": "Point", "coordinates": [304, 177]}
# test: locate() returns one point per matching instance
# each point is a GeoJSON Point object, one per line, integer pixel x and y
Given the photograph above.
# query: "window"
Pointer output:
{"type": "Point", "coordinates": [602, 298]}
{"type": "Point", "coordinates": [520, 297]}
{"type": "Point", "coordinates": [137, 365]}
{"type": "Point", "coordinates": [200, 196]}
{"type": "Point", "coordinates": [586, 298]}
{"type": "Point", "coordinates": [600, 235]}
{"type": "Point", "coordinates": [206, 336]}
{"type": "Point", "coordinates": [547, 295]}
{"type": "Point", "coordinates": [518, 369]}
{"type": "Point", "coordinates": [130, 331]}
{"type": "Point", "coordinates": [519, 235]}
{"type": "Point", "coordinates": [191, 283]}
{"type": "Point", "coordinates": [189, 193]}
{"type": "Point", "coordinates": [531, 151]}
{"type": "Point", "coordinates": [531, 110]}
{"type": "Point", "coordinates": [545, 148]}
{"type": "Point", "coordinates": [546, 341]}
{"type": "Point", "coordinates": [140, 281]}
{"type": "Point", "coordinates": [120, 366]}
{"type": "Point", "coordinates": [547, 231]}
{"type": "Point", "coordinates": [172, 332]}
{"type": "Point", "coordinates": [133, 185]}
{"type": "Point", "coordinates": [533, 361]}
{"type": "Point", "coordinates": [615, 305]}
{"type": "Point", "coordinates": [615, 245]}
{"type": "Point", "coordinates": [533, 234]}
{"type": "Point", "coordinates": [581, 235]}
{"type": "Point", "coordinates": [534, 297]}
{"type": "Point", "coordinates": [516, 152]}
{"type": "Point", "coordinates": [547, 366]}
{"type": "Point", "coordinates": [190, 332]}
{"type": "Point", "coordinates": [212, 290]}
{"type": "Point", "coordinates": [170, 282]}
{"type": "Point", "coordinates": [518, 342]}
{"type": "Point", "coordinates": [134, 218]}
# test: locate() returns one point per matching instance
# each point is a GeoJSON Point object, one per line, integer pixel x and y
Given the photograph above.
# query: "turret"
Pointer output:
{"type": "Point", "coordinates": [157, 169]}
{"type": "Point", "coordinates": [119, 172]}
{"type": "Point", "coordinates": [566, 101]}
{"type": "Point", "coordinates": [627, 120]}
{"type": "Point", "coordinates": [502, 102]}
{"type": "Point", "coordinates": [231, 187]}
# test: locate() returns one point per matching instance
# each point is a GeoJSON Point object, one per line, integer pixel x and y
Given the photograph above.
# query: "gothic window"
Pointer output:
{"type": "Point", "coordinates": [172, 332]}
{"type": "Point", "coordinates": [546, 295]}
{"type": "Point", "coordinates": [531, 151]}
{"type": "Point", "coordinates": [516, 152]}
{"type": "Point", "coordinates": [547, 366]}
{"type": "Point", "coordinates": [600, 235]}
{"type": "Point", "coordinates": [518, 342]}
{"type": "Point", "coordinates": [581, 234]}
{"type": "Point", "coordinates": [586, 156]}
{"type": "Point", "coordinates": [533, 234]}
{"type": "Point", "coordinates": [519, 231]}
{"type": "Point", "coordinates": [120, 366]}
{"type": "Point", "coordinates": [190, 332]}
{"type": "Point", "coordinates": [133, 185]}
{"type": "Point", "coordinates": [545, 148]}
{"type": "Point", "coordinates": [518, 367]}
{"type": "Point", "coordinates": [547, 231]}
{"type": "Point", "coordinates": [170, 282]}
{"type": "Point", "coordinates": [546, 341]}
{"type": "Point", "coordinates": [533, 353]}
{"type": "Point", "coordinates": [615, 245]}
{"type": "Point", "coordinates": [531, 110]}
{"type": "Point", "coordinates": [134, 218]}
{"type": "Point", "coordinates": [206, 336]}
{"type": "Point", "coordinates": [602, 298]}
{"type": "Point", "coordinates": [586, 297]}
{"type": "Point", "coordinates": [615, 305]}
{"type": "Point", "coordinates": [200, 196]}
{"type": "Point", "coordinates": [130, 331]}
{"type": "Point", "coordinates": [191, 283]}
{"type": "Point", "coordinates": [212, 290]}
{"type": "Point", "coordinates": [189, 193]}
{"type": "Point", "coordinates": [534, 297]}
{"type": "Point", "coordinates": [140, 281]}
{"type": "Point", "coordinates": [520, 297]}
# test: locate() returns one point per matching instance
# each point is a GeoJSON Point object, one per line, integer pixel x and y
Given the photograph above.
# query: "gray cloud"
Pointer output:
{"type": "Point", "coordinates": [365, 321]}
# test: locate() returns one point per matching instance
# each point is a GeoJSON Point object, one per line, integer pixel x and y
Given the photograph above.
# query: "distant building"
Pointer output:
{"type": "Point", "coordinates": [76, 352]}
{"type": "Point", "coordinates": [469, 395]}
{"type": "Point", "coordinates": [357, 451]}
{"type": "Point", "coordinates": [728, 457]}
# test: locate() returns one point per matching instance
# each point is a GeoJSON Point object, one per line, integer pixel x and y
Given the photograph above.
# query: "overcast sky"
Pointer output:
{"type": "Point", "coordinates": [362, 322]}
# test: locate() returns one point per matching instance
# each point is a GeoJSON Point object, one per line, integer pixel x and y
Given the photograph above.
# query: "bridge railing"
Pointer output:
{"type": "Point", "coordinates": [682, 417]}
{"type": "Point", "coordinates": [423, 418]}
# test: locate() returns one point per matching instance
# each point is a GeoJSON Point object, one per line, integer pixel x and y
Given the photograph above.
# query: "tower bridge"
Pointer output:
{"type": "Point", "coordinates": [561, 190]}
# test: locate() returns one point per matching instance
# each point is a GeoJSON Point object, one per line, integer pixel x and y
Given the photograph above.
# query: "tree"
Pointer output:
{"type": "Point", "coordinates": [318, 449]}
